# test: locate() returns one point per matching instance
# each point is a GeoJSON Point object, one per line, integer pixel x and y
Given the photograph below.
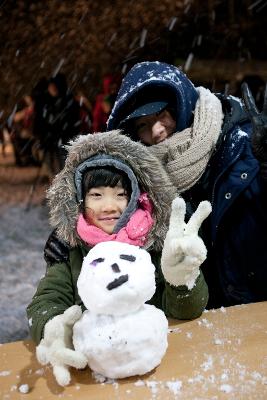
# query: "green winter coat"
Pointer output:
{"type": "Point", "coordinates": [57, 290]}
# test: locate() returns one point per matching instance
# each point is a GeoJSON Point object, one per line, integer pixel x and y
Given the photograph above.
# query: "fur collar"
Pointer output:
{"type": "Point", "coordinates": [62, 200]}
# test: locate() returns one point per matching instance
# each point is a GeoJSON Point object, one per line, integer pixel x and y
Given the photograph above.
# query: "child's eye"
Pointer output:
{"type": "Point", "coordinates": [95, 194]}
{"type": "Point", "coordinates": [122, 194]}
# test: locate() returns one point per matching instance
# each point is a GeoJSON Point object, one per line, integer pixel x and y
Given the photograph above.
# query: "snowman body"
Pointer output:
{"type": "Point", "coordinates": [119, 334]}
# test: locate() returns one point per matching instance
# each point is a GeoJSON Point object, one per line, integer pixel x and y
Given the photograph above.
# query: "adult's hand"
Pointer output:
{"type": "Point", "coordinates": [259, 123]}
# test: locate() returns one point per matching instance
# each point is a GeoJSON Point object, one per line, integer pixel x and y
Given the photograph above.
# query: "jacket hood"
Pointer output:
{"type": "Point", "coordinates": [63, 197]}
{"type": "Point", "coordinates": [156, 79]}
{"type": "Point", "coordinates": [104, 160]}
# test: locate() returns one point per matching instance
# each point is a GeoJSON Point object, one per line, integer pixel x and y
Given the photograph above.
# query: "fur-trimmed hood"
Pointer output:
{"type": "Point", "coordinates": [62, 195]}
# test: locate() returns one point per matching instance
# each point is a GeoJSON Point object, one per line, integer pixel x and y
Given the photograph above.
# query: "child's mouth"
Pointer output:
{"type": "Point", "coordinates": [109, 219]}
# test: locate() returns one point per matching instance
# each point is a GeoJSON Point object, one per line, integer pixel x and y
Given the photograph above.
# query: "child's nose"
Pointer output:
{"type": "Point", "coordinates": [109, 205]}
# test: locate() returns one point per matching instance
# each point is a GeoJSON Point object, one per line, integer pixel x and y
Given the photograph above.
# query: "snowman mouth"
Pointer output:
{"type": "Point", "coordinates": [118, 282]}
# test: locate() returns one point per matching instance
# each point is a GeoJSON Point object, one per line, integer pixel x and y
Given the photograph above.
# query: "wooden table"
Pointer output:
{"type": "Point", "coordinates": [221, 355]}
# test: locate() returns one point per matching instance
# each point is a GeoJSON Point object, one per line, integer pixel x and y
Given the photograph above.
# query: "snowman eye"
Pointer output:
{"type": "Point", "coordinates": [97, 261]}
{"type": "Point", "coordinates": [128, 257]}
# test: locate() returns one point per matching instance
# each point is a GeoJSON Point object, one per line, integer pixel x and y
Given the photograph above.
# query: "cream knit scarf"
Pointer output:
{"type": "Point", "coordinates": [186, 154]}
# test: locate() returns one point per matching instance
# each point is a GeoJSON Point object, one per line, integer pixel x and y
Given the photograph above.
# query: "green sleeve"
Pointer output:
{"type": "Point", "coordinates": [54, 295]}
{"type": "Point", "coordinates": [178, 301]}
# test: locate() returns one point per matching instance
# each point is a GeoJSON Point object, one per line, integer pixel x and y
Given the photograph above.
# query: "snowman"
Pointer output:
{"type": "Point", "coordinates": [119, 335]}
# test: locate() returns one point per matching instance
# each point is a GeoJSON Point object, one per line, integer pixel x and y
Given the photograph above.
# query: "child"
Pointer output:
{"type": "Point", "coordinates": [111, 188]}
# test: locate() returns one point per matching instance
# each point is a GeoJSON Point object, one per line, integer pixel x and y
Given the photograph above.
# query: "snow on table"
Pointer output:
{"type": "Point", "coordinates": [221, 355]}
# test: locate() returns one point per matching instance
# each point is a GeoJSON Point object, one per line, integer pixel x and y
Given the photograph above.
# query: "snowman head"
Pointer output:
{"type": "Point", "coordinates": [116, 278]}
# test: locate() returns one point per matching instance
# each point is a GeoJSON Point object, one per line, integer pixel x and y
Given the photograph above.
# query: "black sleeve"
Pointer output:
{"type": "Point", "coordinates": [56, 250]}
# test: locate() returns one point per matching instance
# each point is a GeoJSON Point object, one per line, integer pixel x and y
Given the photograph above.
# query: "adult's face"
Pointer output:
{"type": "Point", "coordinates": [154, 128]}
{"type": "Point", "coordinates": [52, 90]}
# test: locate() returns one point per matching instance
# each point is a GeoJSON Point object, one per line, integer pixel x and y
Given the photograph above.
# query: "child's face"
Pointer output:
{"type": "Point", "coordinates": [104, 206]}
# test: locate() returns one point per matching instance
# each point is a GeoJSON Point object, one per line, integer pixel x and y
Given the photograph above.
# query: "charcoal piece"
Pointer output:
{"type": "Point", "coordinates": [117, 282]}
{"type": "Point", "coordinates": [97, 261]}
{"type": "Point", "coordinates": [128, 257]}
{"type": "Point", "coordinates": [115, 267]}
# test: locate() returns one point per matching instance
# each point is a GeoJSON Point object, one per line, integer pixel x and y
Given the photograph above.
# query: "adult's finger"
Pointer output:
{"type": "Point", "coordinates": [249, 100]}
{"type": "Point", "coordinates": [201, 213]}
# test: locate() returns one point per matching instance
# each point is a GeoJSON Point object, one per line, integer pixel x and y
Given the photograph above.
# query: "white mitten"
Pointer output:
{"type": "Point", "coordinates": [184, 251]}
{"type": "Point", "coordinates": [56, 347]}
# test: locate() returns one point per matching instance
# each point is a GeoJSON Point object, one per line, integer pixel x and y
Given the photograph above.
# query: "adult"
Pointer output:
{"type": "Point", "coordinates": [104, 102]}
{"type": "Point", "coordinates": [206, 144]}
{"type": "Point", "coordinates": [21, 132]}
{"type": "Point", "coordinates": [56, 121]}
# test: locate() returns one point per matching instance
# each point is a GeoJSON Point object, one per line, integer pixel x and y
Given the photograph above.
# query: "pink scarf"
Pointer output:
{"type": "Point", "coordinates": [135, 232]}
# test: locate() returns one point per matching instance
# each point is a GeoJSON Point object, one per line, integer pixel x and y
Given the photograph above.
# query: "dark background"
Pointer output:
{"type": "Point", "coordinates": [217, 43]}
